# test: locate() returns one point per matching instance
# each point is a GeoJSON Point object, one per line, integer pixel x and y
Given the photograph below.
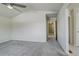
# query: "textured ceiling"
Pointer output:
{"type": "Point", "coordinates": [54, 7]}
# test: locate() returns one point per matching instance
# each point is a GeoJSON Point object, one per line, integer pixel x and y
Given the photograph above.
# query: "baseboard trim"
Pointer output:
{"type": "Point", "coordinates": [28, 40]}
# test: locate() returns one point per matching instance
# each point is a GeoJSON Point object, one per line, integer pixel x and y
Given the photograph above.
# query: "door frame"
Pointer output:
{"type": "Point", "coordinates": [74, 19]}
{"type": "Point", "coordinates": [47, 28]}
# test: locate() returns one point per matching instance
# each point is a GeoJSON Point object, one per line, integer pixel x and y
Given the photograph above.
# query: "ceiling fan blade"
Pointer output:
{"type": "Point", "coordinates": [4, 3]}
{"type": "Point", "coordinates": [14, 4]}
{"type": "Point", "coordinates": [17, 9]}
{"type": "Point", "coordinates": [18, 5]}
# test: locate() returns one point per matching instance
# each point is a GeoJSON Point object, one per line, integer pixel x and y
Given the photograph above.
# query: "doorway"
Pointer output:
{"type": "Point", "coordinates": [51, 29]}
{"type": "Point", "coordinates": [71, 29]}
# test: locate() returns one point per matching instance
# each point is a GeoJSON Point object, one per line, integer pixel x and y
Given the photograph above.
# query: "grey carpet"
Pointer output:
{"type": "Point", "coordinates": [77, 51]}
{"type": "Point", "coordinates": [25, 48]}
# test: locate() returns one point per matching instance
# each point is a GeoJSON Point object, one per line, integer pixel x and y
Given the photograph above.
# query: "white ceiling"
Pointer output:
{"type": "Point", "coordinates": [55, 7]}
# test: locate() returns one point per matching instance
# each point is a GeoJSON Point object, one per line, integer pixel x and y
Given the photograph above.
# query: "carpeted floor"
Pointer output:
{"type": "Point", "coordinates": [25, 48]}
{"type": "Point", "coordinates": [77, 51]}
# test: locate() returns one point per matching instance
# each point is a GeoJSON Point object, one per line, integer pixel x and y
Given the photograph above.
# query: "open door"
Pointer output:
{"type": "Point", "coordinates": [71, 27]}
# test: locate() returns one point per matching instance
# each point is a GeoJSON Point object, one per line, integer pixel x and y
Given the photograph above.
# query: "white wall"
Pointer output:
{"type": "Point", "coordinates": [77, 26]}
{"type": "Point", "coordinates": [30, 26]}
{"type": "Point", "coordinates": [4, 29]}
{"type": "Point", "coordinates": [62, 27]}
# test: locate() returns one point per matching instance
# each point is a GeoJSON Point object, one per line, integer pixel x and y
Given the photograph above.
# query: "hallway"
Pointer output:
{"type": "Point", "coordinates": [22, 48]}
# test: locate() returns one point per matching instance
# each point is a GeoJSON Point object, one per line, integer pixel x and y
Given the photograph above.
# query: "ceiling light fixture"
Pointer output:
{"type": "Point", "coordinates": [10, 7]}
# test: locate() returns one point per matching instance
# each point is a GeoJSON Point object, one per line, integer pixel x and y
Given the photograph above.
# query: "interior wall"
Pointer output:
{"type": "Point", "coordinates": [62, 28]}
{"type": "Point", "coordinates": [77, 25]}
{"type": "Point", "coordinates": [30, 26]}
{"type": "Point", "coordinates": [4, 29]}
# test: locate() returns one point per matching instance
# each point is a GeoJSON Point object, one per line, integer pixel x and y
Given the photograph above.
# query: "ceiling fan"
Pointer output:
{"type": "Point", "coordinates": [12, 6]}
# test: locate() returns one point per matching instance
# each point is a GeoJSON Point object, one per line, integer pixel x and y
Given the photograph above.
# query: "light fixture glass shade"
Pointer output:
{"type": "Point", "coordinates": [10, 7]}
